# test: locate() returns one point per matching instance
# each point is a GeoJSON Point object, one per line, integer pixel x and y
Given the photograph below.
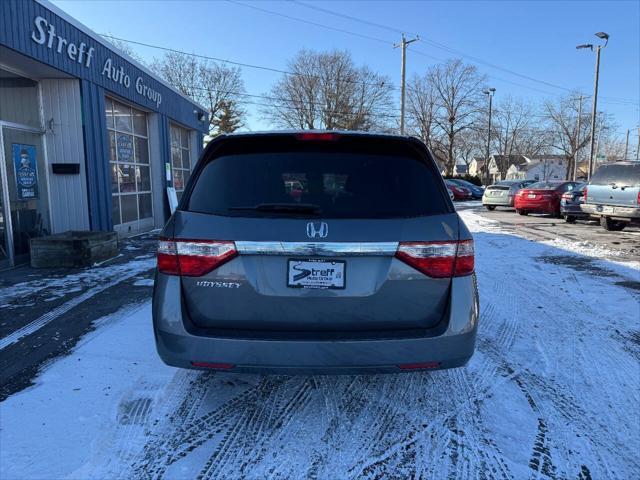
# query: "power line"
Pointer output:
{"type": "Point", "coordinates": [309, 22]}
{"type": "Point", "coordinates": [443, 47]}
{"type": "Point", "coordinates": [281, 71]}
{"type": "Point", "coordinates": [240, 64]}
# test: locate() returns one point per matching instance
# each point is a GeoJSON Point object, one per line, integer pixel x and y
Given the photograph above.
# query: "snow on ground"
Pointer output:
{"type": "Point", "coordinates": [552, 392]}
{"type": "Point", "coordinates": [65, 284]}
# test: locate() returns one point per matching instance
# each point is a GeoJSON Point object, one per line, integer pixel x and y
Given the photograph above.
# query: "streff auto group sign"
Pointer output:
{"type": "Point", "coordinates": [44, 33]}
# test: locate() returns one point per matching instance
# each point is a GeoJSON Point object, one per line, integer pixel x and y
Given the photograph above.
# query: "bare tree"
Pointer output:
{"type": "Point", "coordinates": [217, 87]}
{"type": "Point", "coordinates": [562, 120]}
{"type": "Point", "coordinates": [327, 90]}
{"type": "Point", "coordinates": [422, 107]}
{"type": "Point", "coordinates": [469, 144]}
{"type": "Point", "coordinates": [516, 130]}
{"type": "Point", "coordinates": [458, 89]}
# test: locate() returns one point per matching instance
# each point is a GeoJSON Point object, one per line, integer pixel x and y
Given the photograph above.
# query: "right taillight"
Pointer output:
{"type": "Point", "coordinates": [439, 259]}
{"type": "Point", "coordinates": [193, 258]}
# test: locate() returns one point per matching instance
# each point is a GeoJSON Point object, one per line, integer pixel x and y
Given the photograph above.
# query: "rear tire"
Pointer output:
{"type": "Point", "coordinates": [612, 225]}
{"type": "Point", "coordinates": [569, 219]}
{"type": "Point", "coordinates": [491, 208]}
{"type": "Point", "coordinates": [522, 212]}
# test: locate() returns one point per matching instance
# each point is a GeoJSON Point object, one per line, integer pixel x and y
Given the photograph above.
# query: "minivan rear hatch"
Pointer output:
{"type": "Point", "coordinates": [315, 224]}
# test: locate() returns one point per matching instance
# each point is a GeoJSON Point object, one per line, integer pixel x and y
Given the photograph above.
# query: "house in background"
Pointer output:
{"type": "Point", "coordinates": [476, 167]}
{"type": "Point", "coordinates": [543, 167]}
{"type": "Point", "coordinates": [460, 169]}
{"type": "Point", "coordinates": [499, 164]}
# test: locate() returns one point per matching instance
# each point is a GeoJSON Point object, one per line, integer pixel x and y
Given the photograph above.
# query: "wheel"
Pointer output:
{"type": "Point", "coordinates": [490, 207]}
{"type": "Point", "coordinates": [612, 225]}
{"type": "Point", "coordinates": [522, 212]}
{"type": "Point", "coordinates": [557, 214]}
{"type": "Point", "coordinates": [570, 219]}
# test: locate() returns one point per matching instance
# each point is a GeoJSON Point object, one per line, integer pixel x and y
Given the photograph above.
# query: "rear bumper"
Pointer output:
{"type": "Point", "coordinates": [572, 209]}
{"type": "Point", "coordinates": [627, 213]}
{"type": "Point", "coordinates": [498, 201]}
{"type": "Point", "coordinates": [545, 206]}
{"type": "Point", "coordinates": [178, 347]}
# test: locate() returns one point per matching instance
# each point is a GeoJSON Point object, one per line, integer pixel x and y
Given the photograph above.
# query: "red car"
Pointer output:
{"type": "Point", "coordinates": [459, 193]}
{"type": "Point", "coordinates": [542, 197]}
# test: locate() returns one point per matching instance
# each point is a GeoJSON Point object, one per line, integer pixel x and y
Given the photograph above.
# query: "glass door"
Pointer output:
{"type": "Point", "coordinates": [25, 205]}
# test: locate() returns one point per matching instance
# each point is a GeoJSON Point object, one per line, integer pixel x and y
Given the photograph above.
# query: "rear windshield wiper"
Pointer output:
{"type": "Point", "coordinates": [282, 208]}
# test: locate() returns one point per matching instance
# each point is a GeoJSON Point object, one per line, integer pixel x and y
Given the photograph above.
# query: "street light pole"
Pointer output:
{"type": "Point", "coordinates": [604, 36]}
{"type": "Point", "coordinates": [575, 154]}
{"type": "Point", "coordinates": [489, 92]}
{"type": "Point", "coordinates": [626, 144]}
{"type": "Point", "coordinates": [403, 46]}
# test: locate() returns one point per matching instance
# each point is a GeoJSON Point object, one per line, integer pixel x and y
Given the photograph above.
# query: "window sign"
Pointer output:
{"type": "Point", "coordinates": [125, 148]}
{"type": "Point", "coordinates": [26, 171]}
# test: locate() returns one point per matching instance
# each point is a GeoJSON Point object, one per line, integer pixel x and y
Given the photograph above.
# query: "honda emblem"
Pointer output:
{"type": "Point", "coordinates": [320, 230]}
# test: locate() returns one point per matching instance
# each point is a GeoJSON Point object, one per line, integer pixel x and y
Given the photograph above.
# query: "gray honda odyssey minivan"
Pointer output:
{"type": "Point", "coordinates": [315, 252]}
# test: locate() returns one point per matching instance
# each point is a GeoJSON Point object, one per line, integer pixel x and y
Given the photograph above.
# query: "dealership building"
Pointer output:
{"type": "Point", "coordinates": [89, 138]}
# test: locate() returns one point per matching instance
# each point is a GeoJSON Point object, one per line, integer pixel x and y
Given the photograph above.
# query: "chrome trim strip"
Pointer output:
{"type": "Point", "coordinates": [322, 249]}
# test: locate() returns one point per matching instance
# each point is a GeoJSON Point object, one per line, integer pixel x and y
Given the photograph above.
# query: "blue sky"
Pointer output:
{"type": "Point", "coordinates": [534, 39]}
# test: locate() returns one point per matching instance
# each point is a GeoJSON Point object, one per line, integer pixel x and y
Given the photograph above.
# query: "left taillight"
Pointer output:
{"type": "Point", "coordinates": [439, 259]}
{"type": "Point", "coordinates": [193, 258]}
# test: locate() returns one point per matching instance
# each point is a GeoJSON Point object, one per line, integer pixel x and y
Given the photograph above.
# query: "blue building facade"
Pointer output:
{"type": "Point", "coordinates": [108, 136]}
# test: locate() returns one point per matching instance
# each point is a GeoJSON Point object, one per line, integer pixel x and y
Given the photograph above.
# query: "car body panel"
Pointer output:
{"type": "Point", "coordinates": [451, 345]}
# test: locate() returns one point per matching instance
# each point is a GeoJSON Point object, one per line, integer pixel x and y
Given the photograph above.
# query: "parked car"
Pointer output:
{"type": "Point", "coordinates": [613, 195]}
{"type": "Point", "coordinates": [459, 193]}
{"type": "Point", "coordinates": [542, 197]}
{"type": "Point", "coordinates": [476, 191]}
{"type": "Point", "coordinates": [502, 193]}
{"type": "Point", "coordinates": [370, 270]}
{"type": "Point", "coordinates": [571, 202]}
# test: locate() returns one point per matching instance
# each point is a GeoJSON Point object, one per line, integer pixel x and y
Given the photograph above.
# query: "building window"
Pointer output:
{"type": "Point", "coordinates": [129, 163]}
{"type": "Point", "coordinates": [180, 158]}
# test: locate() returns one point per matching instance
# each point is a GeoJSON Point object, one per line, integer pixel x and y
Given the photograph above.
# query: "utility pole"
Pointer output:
{"type": "Point", "coordinates": [603, 36]}
{"type": "Point", "coordinates": [626, 145]}
{"type": "Point", "coordinates": [638, 147]}
{"type": "Point", "coordinates": [489, 92]}
{"type": "Point", "coordinates": [598, 141]}
{"type": "Point", "coordinates": [403, 45]}
{"type": "Point", "coordinates": [575, 154]}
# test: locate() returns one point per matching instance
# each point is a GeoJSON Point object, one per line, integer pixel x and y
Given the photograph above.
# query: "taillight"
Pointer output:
{"type": "Point", "coordinates": [567, 196]}
{"type": "Point", "coordinates": [585, 195]}
{"type": "Point", "coordinates": [193, 258]}
{"type": "Point", "coordinates": [439, 259]}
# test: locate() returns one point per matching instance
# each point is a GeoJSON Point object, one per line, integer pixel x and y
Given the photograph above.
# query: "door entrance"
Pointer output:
{"type": "Point", "coordinates": [24, 205]}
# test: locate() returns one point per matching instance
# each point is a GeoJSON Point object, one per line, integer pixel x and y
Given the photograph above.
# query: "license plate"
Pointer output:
{"type": "Point", "coordinates": [531, 195]}
{"type": "Point", "coordinates": [311, 273]}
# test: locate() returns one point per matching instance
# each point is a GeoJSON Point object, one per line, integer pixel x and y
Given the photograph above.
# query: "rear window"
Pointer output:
{"type": "Point", "coordinates": [617, 173]}
{"type": "Point", "coordinates": [544, 186]}
{"type": "Point", "coordinates": [328, 185]}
